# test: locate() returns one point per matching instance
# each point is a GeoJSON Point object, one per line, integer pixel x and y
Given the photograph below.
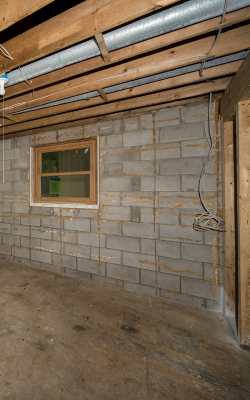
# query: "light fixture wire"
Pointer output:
{"type": "Point", "coordinates": [208, 221]}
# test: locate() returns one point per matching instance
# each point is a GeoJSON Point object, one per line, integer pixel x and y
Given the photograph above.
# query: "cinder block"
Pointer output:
{"type": "Point", "coordinates": [10, 154]}
{"type": "Point", "coordinates": [77, 250]}
{"type": "Point", "coordinates": [160, 248]}
{"type": "Point", "coordinates": [7, 165]}
{"type": "Point", "coordinates": [30, 220]}
{"type": "Point", "coordinates": [106, 127]}
{"type": "Point", "coordinates": [211, 272]}
{"type": "Point", "coordinates": [162, 215]}
{"type": "Point", "coordinates": [131, 124]}
{"type": "Point", "coordinates": [11, 239]}
{"type": "Point", "coordinates": [14, 175]}
{"type": "Point", "coordinates": [114, 141]}
{"type": "Point", "coordinates": [64, 236]}
{"type": "Point", "coordinates": [50, 222]}
{"type": "Point", "coordinates": [22, 230]}
{"type": "Point", "coordinates": [50, 245]}
{"type": "Point", "coordinates": [92, 239]}
{"type": "Point", "coordinates": [91, 266]}
{"type": "Point", "coordinates": [7, 144]}
{"type": "Point", "coordinates": [179, 199]}
{"type": "Point", "coordinates": [209, 182]}
{"type": "Point", "coordinates": [138, 168]}
{"type": "Point", "coordinates": [116, 213]}
{"type": "Point", "coordinates": [91, 130]}
{"type": "Point", "coordinates": [131, 139]}
{"type": "Point", "coordinates": [180, 234]}
{"type": "Point", "coordinates": [106, 255]}
{"type": "Point", "coordinates": [5, 187]}
{"type": "Point", "coordinates": [40, 210]}
{"type": "Point", "coordinates": [198, 112]}
{"type": "Point", "coordinates": [22, 141]}
{"type": "Point", "coordinates": [87, 213]}
{"type": "Point", "coordinates": [113, 169]}
{"type": "Point", "coordinates": [197, 287]}
{"type": "Point", "coordinates": [20, 163]}
{"type": "Point", "coordinates": [189, 214]}
{"type": "Point", "coordinates": [140, 229]}
{"type": "Point", "coordinates": [120, 184]}
{"type": "Point", "coordinates": [20, 186]}
{"type": "Point", "coordinates": [41, 256]}
{"type": "Point", "coordinates": [162, 183]}
{"type": "Point", "coordinates": [213, 305]}
{"type": "Point", "coordinates": [76, 224]}
{"type": "Point", "coordinates": [181, 132]}
{"type": "Point", "coordinates": [181, 166]}
{"type": "Point", "coordinates": [5, 248]}
{"type": "Point", "coordinates": [138, 260]}
{"type": "Point", "coordinates": [122, 272]}
{"type": "Point", "coordinates": [5, 228]}
{"type": "Point", "coordinates": [104, 226]}
{"type": "Point", "coordinates": [41, 233]}
{"type": "Point", "coordinates": [179, 267]}
{"type": "Point", "coordinates": [12, 219]}
{"type": "Point", "coordinates": [167, 118]}
{"type": "Point", "coordinates": [136, 183]}
{"type": "Point", "coordinates": [51, 268]}
{"type": "Point", "coordinates": [183, 298]}
{"type": "Point", "coordinates": [147, 121]}
{"type": "Point", "coordinates": [116, 156]}
{"type": "Point", "coordinates": [163, 281]}
{"type": "Point", "coordinates": [20, 208]}
{"type": "Point", "coordinates": [161, 151]}
{"type": "Point", "coordinates": [213, 238]}
{"type": "Point", "coordinates": [139, 199]}
{"type": "Point", "coordinates": [123, 243]}
{"type": "Point", "coordinates": [196, 252]}
{"type": "Point", "coordinates": [30, 242]}
{"type": "Point", "coordinates": [79, 275]}
{"type": "Point", "coordinates": [135, 214]}
{"type": "Point", "coordinates": [142, 289]}
{"type": "Point", "coordinates": [109, 199]}
{"type": "Point", "coordinates": [195, 148]}
{"type": "Point", "coordinates": [22, 252]}
{"type": "Point", "coordinates": [104, 280]}
{"type": "Point", "coordinates": [64, 261]}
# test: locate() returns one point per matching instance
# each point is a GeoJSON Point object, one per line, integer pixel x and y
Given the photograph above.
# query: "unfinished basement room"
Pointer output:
{"type": "Point", "coordinates": [125, 200]}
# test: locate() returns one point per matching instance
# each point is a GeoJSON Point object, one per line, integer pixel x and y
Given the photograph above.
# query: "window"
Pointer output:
{"type": "Point", "coordinates": [66, 173]}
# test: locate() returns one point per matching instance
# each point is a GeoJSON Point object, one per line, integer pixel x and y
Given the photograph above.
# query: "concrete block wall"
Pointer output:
{"type": "Point", "coordinates": [141, 238]}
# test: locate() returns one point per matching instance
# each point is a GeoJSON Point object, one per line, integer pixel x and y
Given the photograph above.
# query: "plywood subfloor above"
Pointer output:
{"type": "Point", "coordinates": [63, 338]}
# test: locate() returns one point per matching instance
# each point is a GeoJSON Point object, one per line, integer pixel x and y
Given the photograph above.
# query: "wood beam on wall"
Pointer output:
{"type": "Point", "coordinates": [15, 10]}
{"type": "Point", "coordinates": [243, 218]}
{"type": "Point", "coordinates": [229, 237]}
{"type": "Point", "coordinates": [74, 25]}
{"type": "Point", "coordinates": [129, 51]}
{"type": "Point", "coordinates": [238, 90]}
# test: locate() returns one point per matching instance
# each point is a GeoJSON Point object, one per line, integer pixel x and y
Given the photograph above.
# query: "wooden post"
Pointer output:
{"type": "Point", "coordinates": [229, 239]}
{"type": "Point", "coordinates": [243, 211]}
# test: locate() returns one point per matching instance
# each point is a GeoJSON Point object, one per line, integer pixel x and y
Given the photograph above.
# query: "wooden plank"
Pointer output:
{"type": "Point", "coordinates": [243, 211]}
{"type": "Point", "coordinates": [15, 10]}
{"type": "Point", "coordinates": [129, 51]}
{"type": "Point", "coordinates": [235, 40]}
{"type": "Point", "coordinates": [152, 99]}
{"type": "Point", "coordinates": [103, 94]}
{"type": "Point", "coordinates": [210, 73]}
{"type": "Point", "coordinates": [121, 114]}
{"type": "Point", "coordinates": [103, 48]}
{"type": "Point", "coordinates": [237, 90]}
{"type": "Point", "coordinates": [74, 25]}
{"type": "Point", "coordinates": [10, 117]}
{"type": "Point", "coordinates": [229, 237]}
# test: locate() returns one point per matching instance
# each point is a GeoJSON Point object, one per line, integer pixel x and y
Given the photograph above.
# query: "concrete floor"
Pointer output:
{"type": "Point", "coordinates": [63, 338]}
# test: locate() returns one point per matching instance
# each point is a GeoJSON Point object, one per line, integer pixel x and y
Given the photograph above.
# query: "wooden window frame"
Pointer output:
{"type": "Point", "coordinates": [37, 155]}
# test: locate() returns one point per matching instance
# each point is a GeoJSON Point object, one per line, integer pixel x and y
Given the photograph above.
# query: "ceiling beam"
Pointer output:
{"type": "Point", "coordinates": [238, 90]}
{"type": "Point", "coordinates": [74, 25]}
{"type": "Point", "coordinates": [182, 80]}
{"type": "Point", "coordinates": [129, 51]}
{"type": "Point", "coordinates": [108, 108]}
{"type": "Point", "coordinates": [175, 57]}
{"type": "Point", "coordinates": [15, 10]}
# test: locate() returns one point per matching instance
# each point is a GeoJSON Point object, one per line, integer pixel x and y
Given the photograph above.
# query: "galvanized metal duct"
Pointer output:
{"type": "Point", "coordinates": [142, 81]}
{"type": "Point", "coordinates": [168, 20]}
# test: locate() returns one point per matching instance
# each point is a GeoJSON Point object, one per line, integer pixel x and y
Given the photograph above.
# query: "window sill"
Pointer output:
{"type": "Point", "coordinates": [65, 205]}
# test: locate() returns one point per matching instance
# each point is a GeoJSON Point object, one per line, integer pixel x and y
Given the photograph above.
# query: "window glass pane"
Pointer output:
{"type": "Point", "coordinates": [76, 186]}
{"type": "Point", "coordinates": [73, 160]}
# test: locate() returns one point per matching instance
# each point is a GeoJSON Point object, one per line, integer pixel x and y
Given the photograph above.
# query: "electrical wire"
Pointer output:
{"type": "Point", "coordinates": [5, 52]}
{"type": "Point", "coordinates": [216, 39]}
{"type": "Point", "coordinates": [24, 77]}
{"type": "Point", "coordinates": [208, 221]}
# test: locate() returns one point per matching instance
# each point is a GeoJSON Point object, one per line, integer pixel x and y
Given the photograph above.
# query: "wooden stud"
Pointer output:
{"type": "Point", "coordinates": [103, 94]}
{"type": "Point", "coordinates": [102, 46]}
{"type": "Point", "coordinates": [243, 219]}
{"type": "Point", "coordinates": [229, 238]}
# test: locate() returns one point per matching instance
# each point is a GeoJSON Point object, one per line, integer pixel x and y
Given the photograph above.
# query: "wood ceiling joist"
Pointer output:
{"type": "Point", "coordinates": [175, 57]}
{"type": "Point", "coordinates": [108, 108]}
{"type": "Point", "coordinates": [74, 25]}
{"type": "Point", "coordinates": [129, 51]}
{"type": "Point", "coordinates": [12, 11]}
{"type": "Point", "coordinates": [186, 79]}
{"type": "Point", "coordinates": [238, 90]}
